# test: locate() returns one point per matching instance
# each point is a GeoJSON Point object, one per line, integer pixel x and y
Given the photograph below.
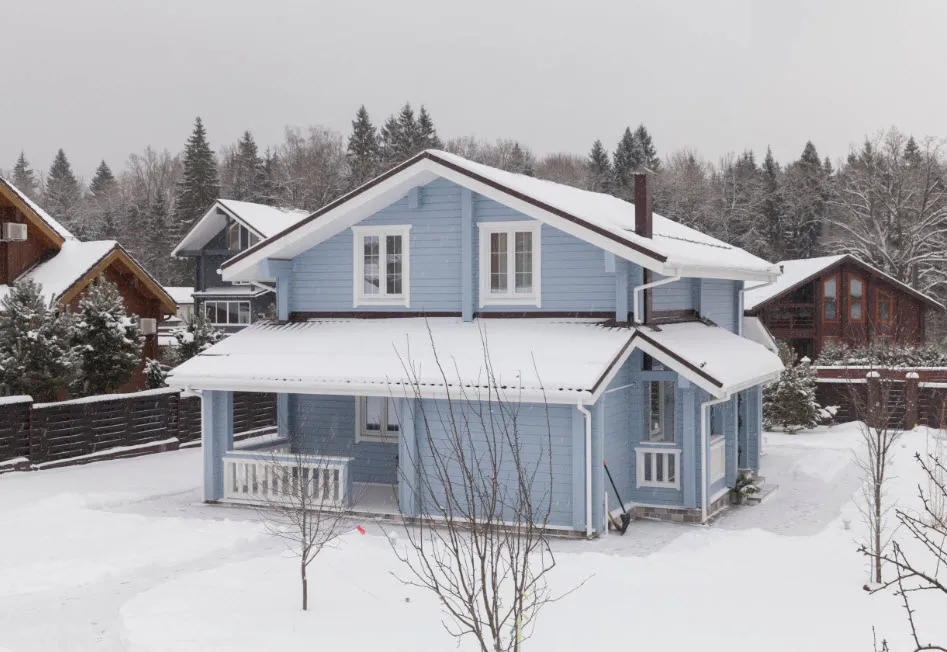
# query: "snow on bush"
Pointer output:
{"type": "Point", "coordinates": [198, 335]}
{"type": "Point", "coordinates": [881, 354]}
{"type": "Point", "coordinates": [790, 402]}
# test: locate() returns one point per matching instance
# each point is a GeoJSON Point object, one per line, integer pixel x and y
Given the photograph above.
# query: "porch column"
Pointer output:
{"type": "Point", "coordinates": [743, 428]}
{"type": "Point", "coordinates": [578, 470]}
{"type": "Point", "coordinates": [689, 449]}
{"type": "Point", "coordinates": [407, 459]}
{"type": "Point", "coordinates": [598, 470]}
{"type": "Point", "coordinates": [216, 439]}
{"type": "Point", "coordinates": [911, 392]}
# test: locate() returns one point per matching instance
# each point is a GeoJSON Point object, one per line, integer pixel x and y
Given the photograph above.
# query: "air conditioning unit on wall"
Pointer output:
{"type": "Point", "coordinates": [148, 325]}
{"type": "Point", "coordinates": [13, 232]}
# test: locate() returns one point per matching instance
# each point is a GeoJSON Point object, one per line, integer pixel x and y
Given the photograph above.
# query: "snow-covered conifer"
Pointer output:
{"type": "Point", "coordinates": [62, 193]}
{"type": "Point", "coordinates": [600, 169]}
{"type": "Point", "coordinates": [24, 178]}
{"type": "Point", "coordinates": [363, 151]}
{"type": "Point", "coordinates": [197, 335]}
{"type": "Point", "coordinates": [790, 403]}
{"type": "Point", "coordinates": [199, 186]}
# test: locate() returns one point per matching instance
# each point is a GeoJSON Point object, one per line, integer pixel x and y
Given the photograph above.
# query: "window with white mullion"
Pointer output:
{"type": "Point", "coordinates": [377, 420]}
{"type": "Point", "coordinates": [509, 263]}
{"type": "Point", "coordinates": [381, 265]}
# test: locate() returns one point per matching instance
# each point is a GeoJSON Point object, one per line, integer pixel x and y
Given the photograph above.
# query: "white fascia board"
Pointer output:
{"type": "Point", "coordinates": [368, 389]}
{"type": "Point", "coordinates": [197, 233]}
{"type": "Point", "coordinates": [334, 221]}
{"type": "Point", "coordinates": [727, 274]}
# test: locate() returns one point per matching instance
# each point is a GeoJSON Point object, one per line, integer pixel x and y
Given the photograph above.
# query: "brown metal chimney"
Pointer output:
{"type": "Point", "coordinates": [643, 226]}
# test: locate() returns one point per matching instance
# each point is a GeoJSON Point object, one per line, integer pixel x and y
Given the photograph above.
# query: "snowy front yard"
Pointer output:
{"type": "Point", "coordinates": [123, 556]}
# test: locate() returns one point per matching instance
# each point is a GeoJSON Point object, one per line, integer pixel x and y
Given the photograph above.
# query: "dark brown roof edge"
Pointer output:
{"type": "Point", "coordinates": [697, 370]}
{"type": "Point", "coordinates": [460, 170]}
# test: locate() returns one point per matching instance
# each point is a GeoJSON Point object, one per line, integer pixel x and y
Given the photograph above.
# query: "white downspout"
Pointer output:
{"type": "Point", "coordinates": [648, 286]}
{"type": "Point", "coordinates": [743, 302]}
{"type": "Point", "coordinates": [588, 467]}
{"type": "Point", "coordinates": [704, 447]}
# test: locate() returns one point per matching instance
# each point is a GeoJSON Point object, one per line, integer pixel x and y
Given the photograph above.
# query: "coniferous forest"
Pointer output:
{"type": "Point", "coordinates": [886, 202]}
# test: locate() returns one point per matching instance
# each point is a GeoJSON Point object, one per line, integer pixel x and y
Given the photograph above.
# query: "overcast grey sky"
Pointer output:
{"type": "Point", "coordinates": [104, 78]}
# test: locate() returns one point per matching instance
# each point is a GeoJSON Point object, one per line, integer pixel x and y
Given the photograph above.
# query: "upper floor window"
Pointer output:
{"type": "Point", "coordinates": [856, 292]}
{"type": "Point", "coordinates": [660, 411]}
{"type": "Point", "coordinates": [510, 263]}
{"type": "Point", "coordinates": [381, 265]}
{"type": "Point", "coordinates": [830, 299]}
{"type": "Point", "coordinates": [227, 313]}
{"type": "Point", "coordinates": [240, 237]}
{"type": "Point", "coordinates": [884, 306]}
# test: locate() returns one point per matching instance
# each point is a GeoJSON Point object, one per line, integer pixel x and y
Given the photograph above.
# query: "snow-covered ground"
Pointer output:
{"type": "Point", "coordinates": [122, 555]}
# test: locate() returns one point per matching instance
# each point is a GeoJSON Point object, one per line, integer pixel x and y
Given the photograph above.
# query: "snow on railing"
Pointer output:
{"type": "Point", "coordinates": [658, 466]}
{"type": "Point", "coordinates": [275, 476]}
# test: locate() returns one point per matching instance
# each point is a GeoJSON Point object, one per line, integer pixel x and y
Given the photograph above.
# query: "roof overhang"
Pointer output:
{"type": "Point", "coordinates": [424, 168]}
{"type": "Point", "coordinates": [25, 206]}
{"type": "Point", "coordinates": [209, 225]}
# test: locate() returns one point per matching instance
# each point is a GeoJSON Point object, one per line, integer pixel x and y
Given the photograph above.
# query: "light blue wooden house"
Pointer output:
{"type": "Point", "coordinates": [616, 333]}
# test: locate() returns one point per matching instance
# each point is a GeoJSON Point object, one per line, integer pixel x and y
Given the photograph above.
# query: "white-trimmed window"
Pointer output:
{"type": "Point", "coordinates": [510, 263]}
{"type": "Point", "coordinates": [227, 313]}
{"type": "Point", "coordinates": [240, 237]}
{"type": "Point", "coordinates": [376, 420]}
{"type": "Point", "coordinates": [660, 425]}
{"type": "Point", "coordinates": [381, 265]}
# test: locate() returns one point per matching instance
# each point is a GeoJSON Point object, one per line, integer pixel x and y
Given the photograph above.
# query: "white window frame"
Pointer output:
{"type": "Point", "coordinates": [647, 456]}
{"type": "Point", "coordinates": [358, 266]}
{"type": "Point", "coordinates": [383, 435]}
{"type": "Point", "coordinates": [510, 297]}
{"type": "Point", "coordinates": [217, 302]}
{"type": "Point", "coordinates": [252, 238]}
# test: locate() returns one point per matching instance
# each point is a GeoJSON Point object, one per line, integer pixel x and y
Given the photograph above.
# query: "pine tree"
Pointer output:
{"type": "Point", "coordinates": [626, 160]}
{"type": "Point", "coordinates": [103, 202]}
{"type": "Point", "coordinates": [427, 132]}
{"type": "Point", "coordinates": [24, 178]}
{"type": "Point", "coordinates": [272, 182]}
{"type": "Point", "coordinates": [392, 142]}
{"type": "Point", "coordinates": [410, 132]}
{"type": "Point", "coordinates": [103, 183]}
{"type": "Point", "coordinates": [521, 161]}
{"type": "Point", "coordinates": [155, 374]}
{"type": "Point", "coordinates": [790, 402]}
{"type": "Point", "coordinates": [247, 174]}
{"type": "Point", "coordinates": [107, 342]}
{"type": "Point", "coordinates": [805, 195]}
{"type": "Point", "coordinates": [364, 150]}
{"type": "Point", "coordinates": [647, 154]}
{"type": "Point", "coordinates": [36, 354]}
{"type": "Point", "coordinates": [199, 186]}
{"type": "Point", "coordinates": [912, 153]}
{"type": "Point", "coordinates": [62, 193]}
{"type": "Point", "coordinates": [772, 208]}
{"type": "Point", "coordinates": [158, 257]}
{"type": "Point", "coordinates": [600, 169]}
{"type": "Point", "coordinates": [198, 335]}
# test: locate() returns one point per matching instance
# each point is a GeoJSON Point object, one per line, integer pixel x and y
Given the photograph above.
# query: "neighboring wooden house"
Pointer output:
{"type": "Point", "coordinates": [841, 299]}
{"type": "Point", "coordinates": [617, 332]}
{"type": "Point", "coordinates": [226, 229]}
{"type": "Point", "coordinates": [50, 255]}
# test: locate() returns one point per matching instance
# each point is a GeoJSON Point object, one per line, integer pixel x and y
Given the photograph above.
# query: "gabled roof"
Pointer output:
{"type": "Point", "coordinates": [532, 359]}
{"type": "Point", "coordinates": [262, 220]}
{"type": "Point", "coordinates": [601, 219]}
{"type": "Point", "coordinates": [77, 263]}
{"type": "Point", "coordinates": [53, 229]}
{"type": "Point", "coordinates": [803, 270]}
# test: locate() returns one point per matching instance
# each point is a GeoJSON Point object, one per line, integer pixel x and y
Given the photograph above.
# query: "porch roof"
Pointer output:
{"type": "Point", "coordinates": [529, 360]}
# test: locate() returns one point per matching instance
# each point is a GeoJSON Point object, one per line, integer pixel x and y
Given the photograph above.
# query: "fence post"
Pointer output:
{"type": "Point", "coordinates": [911, 392]}
{"type": "Point", "coordinates": [874, 406]}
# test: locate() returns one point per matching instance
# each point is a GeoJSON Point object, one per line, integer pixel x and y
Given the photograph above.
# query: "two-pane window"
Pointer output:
{"type": "Point", "coordinates": [381, 265]}
{"type": "Point", "coordinates": [856, 295]}
{"type": "Point", "coordinates": [884, 306]}
{"type": "Point", "coordinates": [240, 237]}
{"type": "Point", "coordinates": [227, 313]}
{"type": "Point", "coordinates": [377, 420]}
{"type": "Point", "coordinates": [661, 411]}
{"type": "Point", "coordinates": [830, 299]}
{"type": "Point", "coordinates": [509, 263]}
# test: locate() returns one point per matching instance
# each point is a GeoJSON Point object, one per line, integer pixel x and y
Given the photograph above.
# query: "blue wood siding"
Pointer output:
{"type": "Point", "coordinates": [754, 417]}
{"type": "Point", "coordinates": [325, 425]}
{"type": "Point", "coordinates": [719, 301]}
{"type": "Point", "coordinates": [678, 295]}
{"type": "Point", "coordinates": [623, 409]}
{"type": "Point", "coordinates": [540, 439]}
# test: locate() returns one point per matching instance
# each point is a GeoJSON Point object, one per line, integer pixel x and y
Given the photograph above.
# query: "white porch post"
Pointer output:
{"type": "Point", "coordinates": [690, 436]}
{"type": "Point", "coordinates": [407, 460]}
{"type": "Point", "coordinates": [216, 439]}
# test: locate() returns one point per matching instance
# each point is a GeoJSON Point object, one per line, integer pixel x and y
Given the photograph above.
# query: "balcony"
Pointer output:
{"type": "Point", "coordinates": [792, 317]}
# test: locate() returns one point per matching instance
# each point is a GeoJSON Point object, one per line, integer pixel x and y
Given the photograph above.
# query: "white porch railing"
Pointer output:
{"type": "Point", "coordinates": [275, 476]}
{"type": "Point", "coordinates": [658, 466]}
{"type": "Point", "coordinates": [718, 458]}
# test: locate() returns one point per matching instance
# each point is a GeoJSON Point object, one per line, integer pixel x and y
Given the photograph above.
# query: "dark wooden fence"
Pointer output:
{"type": "Point", "coordinates": [915, 397]}
{"type": "Point", "coordinates": [50, 432]}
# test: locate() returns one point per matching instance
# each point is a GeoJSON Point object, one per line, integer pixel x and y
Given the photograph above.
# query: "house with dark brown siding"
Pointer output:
{"type": "Point", "coordinates": [838, 299]}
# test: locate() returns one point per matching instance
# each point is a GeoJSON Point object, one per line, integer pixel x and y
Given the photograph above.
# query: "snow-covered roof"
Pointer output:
{"type": "Point", "coordinates": [261, 219]}
{"type": "Point", "coordinates": [40, 214]}
{"type": "Point", "coordinates": [231, 291]}
{"type": "Point", "coordinates": [181, 295]}
{"type": "Point", "coordinates": [715, 359]}
{"type": "Point", "coordinates": [755, 330]}
{"type": "Point", "coordinates": [796, 272]}
{"type": "Point", "coordinates": [531, 359]}
{"type": "Point", "coordinates": [601, 219]}
{"type": "Point", "coordinates": [70, 264]}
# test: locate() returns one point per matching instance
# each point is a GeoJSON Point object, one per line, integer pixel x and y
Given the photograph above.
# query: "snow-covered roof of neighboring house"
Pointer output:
{"type": "Point", "coordinates": [531, 359]}
{"type": "Point", "coordinates": [231, 291]}
{"type": "Point", "coordinates": [41, 215]}
{"type": "Point", "coordinates": [181, 295]}
{"type": "Point", "coordinates": [755, 330]}
{"type": "Point", "coordinates": [802, 270]}
{"type": "Point", "coordinates": [261, 219]}
{"type": "Point", "coordinates": [601, 219]}
{"type": "Point", "coordinates": [714, 358]}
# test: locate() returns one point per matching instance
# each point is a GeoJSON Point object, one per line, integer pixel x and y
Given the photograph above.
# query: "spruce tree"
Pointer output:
{"type": "Point", "coordinates": [199, 186]}
{"type": "Point", "coordinates": [103, 182]}
{"type": "Point", "coordinates": [521, 161]}
{"type": "Point", "coordinates": [410, 132]}
{"type": "Point", "coordinates": [24, 178]}
{"type": "Point", "coordinates": [806, 195]}
{"type": "Point", "coordinates": [104, 203]}
{"type": "Point", "coordinates": [426, 131]}
{"type": "Point", "coordinates": [626, 160]}
{"type": "Point", "coordinates": [36, 353]}
{"type": "Point", "coordinates": [772, 207]}
{"type": "Point", "coordinates": [158, 256]}
{"type": "Point", "coordinates": [364, 150]}
{"type": "Point", "coordinates": [107, 342]}
{"type": "Point", "coordinates": [647, 154]}
{"type": "Point", "coordinates": [155, 374]}
{"type": "Point", "coordinates": [392, 142]}
{"type": "Point", "coordinates": [912, 153]}
{"type": "Point", "coordinates": [198, 335]}
{"type": "Point", "coordinates": [62, 193]}
{"type": "Point", "coordinates": [600, 169]}
{"type": "Point", "coordinates": [272, 182]}
{"type": "Point", "coordinates": [247, 174]}
{"type": "Point", "coordinates": [790, 402]}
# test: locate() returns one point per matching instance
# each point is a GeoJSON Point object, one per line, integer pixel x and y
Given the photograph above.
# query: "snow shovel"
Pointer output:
{"type": "Point", "coordinates": [625, 516]}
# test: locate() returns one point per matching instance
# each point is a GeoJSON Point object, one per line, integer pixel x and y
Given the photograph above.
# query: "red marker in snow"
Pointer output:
{"type": "Point", "coordinates": [360, 529]}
